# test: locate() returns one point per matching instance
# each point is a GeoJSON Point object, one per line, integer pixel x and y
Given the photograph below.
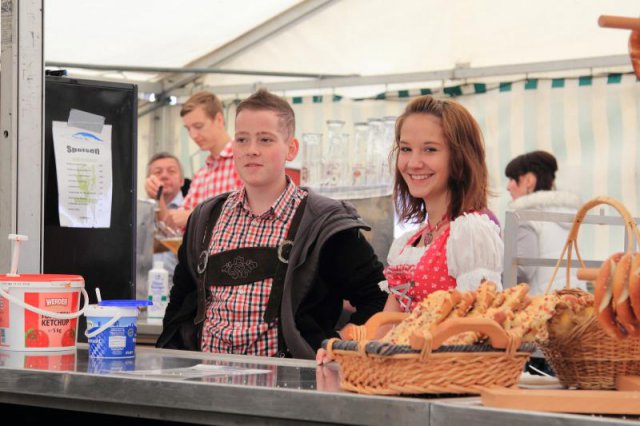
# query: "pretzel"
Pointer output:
{"type": "Point", "coordinates": [634, 285]}
{"type": "Point", "coordinates": [621, 302]}
{"type": "Point", "coordinates": [604, 295]}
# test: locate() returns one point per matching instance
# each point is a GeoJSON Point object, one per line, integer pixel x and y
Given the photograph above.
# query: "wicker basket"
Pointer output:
{"type": "Point", "coordinates": [587, 357]}
{"type": "Point", "coordinates": [425, 366]}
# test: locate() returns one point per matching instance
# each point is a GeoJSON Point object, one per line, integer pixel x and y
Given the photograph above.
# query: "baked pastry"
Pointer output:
{"type": "Point", "coordinates": [507, 303]}
{"type": "Point", "coordinates": [498, 307]}
{"type": "Point", "coordinates": [530, 323]}
{"type": "Point", "coordinates": [485, 296]}
{"type": "Point", "coordinates": [573, 308]}
{"type": "Point", "coordinates": [621, 301]}
{"type": "Point", "coordinates": [634, 285]}
{"type": "Point", "coordinates": [465, 304]}
{"type": "Point", "coordinates": [604, 296]}
{"type": "Point", "coordinates": [533, 319]}
{"type": "Point", "coordinates": [512, 298]}
{"type": "Point", "coordinates": [431, 311]}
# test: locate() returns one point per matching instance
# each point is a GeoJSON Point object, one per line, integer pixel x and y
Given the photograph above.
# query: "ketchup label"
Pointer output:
{"type": "Point", "coordinates": [41, 331]}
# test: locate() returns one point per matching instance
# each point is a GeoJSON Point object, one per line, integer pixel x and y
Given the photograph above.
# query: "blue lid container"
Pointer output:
{"type": "Point", "coordinates": [125, 303]}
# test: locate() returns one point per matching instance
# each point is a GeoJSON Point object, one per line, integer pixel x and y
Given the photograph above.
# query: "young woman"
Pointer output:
{"type": "Point", "coordinates": [441, 181]}
{"type": "Point", "coordinates": [532, 187]}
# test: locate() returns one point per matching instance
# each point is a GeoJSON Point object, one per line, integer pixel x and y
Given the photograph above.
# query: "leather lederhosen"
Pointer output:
{"type": "Point", "coordinates": [250, 264]}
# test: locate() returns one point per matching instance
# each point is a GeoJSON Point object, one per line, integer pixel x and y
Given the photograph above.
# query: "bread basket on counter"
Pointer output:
{"type": "Point", "coordinates": [426, 366]}
{"type": "Point", "coordinates": [589, 356]}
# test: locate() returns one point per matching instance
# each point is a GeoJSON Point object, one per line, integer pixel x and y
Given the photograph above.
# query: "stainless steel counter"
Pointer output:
{"type": "Point", "coordinates": [228, 389]}
{"type": "Point", "coordinates": [288, 391]}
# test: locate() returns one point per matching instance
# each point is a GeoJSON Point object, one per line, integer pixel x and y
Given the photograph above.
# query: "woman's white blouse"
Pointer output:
{"type": "Point", "coordinates": [474, 252]}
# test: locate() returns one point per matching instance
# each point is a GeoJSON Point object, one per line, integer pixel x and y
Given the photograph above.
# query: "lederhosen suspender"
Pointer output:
{"type": "Point", "coordinates": [247, 265]}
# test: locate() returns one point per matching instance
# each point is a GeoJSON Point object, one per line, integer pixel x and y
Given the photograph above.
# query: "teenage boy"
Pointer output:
{"type": "Point", "coordinates": [264, 270]}
{"type": "Point", "coordinates": [202, 116]}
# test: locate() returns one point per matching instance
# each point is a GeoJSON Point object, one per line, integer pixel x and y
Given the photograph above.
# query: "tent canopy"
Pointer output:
{"type": "Point", "coordinates": [345, 37]}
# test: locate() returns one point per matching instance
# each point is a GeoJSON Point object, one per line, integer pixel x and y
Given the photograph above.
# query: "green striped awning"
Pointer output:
{"type": "Point", "coordinates": [462, 89]}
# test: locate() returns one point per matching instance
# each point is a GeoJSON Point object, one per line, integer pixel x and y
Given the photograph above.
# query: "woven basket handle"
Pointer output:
{"type": "Point", "coordinates": [498, 336]}
{"type": "Point", "coordinates": [572, 239]}
{"type": "Point", "coordinates": [369, 329]}
{"type": "Point", "coordinates": [588, 274]}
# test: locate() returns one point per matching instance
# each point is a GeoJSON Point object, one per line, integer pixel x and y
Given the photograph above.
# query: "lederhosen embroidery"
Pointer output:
{"type": "Point", "coordinates": [241, 266]}
{"type": "Point", "coordinates": [250, 264]}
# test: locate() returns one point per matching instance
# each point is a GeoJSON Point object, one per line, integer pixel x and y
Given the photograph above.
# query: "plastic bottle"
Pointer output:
{"type": "Point", "coordinates": [158, 291]}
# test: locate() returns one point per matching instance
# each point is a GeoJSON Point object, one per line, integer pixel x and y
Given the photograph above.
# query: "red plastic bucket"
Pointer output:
{"type": "Point", "coordinates": [39, 312]}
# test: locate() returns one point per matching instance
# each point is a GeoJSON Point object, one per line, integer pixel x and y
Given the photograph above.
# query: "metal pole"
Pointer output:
{"type": "Point", "coordinates": [193, 70]}
{"type": "Point", "coordinates": [510, 273]}
{"type": "Point", "coordinates": [21, 123]}
{"type": "Point", "coordinates": [436, 75]}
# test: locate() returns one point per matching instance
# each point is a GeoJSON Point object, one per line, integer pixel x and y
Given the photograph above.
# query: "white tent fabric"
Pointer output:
{"type": "Point", "coordinates": [145, 32]}
{"type": "Point", "coordinates": [364, 37]}
{"type": "Point", "coordinates": [371, 37]}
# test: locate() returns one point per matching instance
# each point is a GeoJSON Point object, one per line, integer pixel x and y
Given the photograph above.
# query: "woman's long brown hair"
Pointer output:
{"type": "Point", "coordinates": [468, 176]}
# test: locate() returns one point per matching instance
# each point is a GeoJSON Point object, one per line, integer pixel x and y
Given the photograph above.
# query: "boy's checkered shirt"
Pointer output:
{"type": "Point", "coordinates": [234, 322]}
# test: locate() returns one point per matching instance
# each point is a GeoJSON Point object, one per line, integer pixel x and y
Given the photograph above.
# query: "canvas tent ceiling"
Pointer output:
{"type": "Point", "coordinates": [149, 33]}
{"type": "Point", "coordinates": [362, 37]}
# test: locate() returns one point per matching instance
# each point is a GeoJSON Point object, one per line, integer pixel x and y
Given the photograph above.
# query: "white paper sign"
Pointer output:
{"type": "Point", "coordinates": [85, 183]}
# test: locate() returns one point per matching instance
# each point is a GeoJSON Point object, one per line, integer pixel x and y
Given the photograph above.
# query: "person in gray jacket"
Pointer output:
{"type": "Point", "coordinates": [532, 187]}
{"type": "Point", "coordinates": [264, 270]}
